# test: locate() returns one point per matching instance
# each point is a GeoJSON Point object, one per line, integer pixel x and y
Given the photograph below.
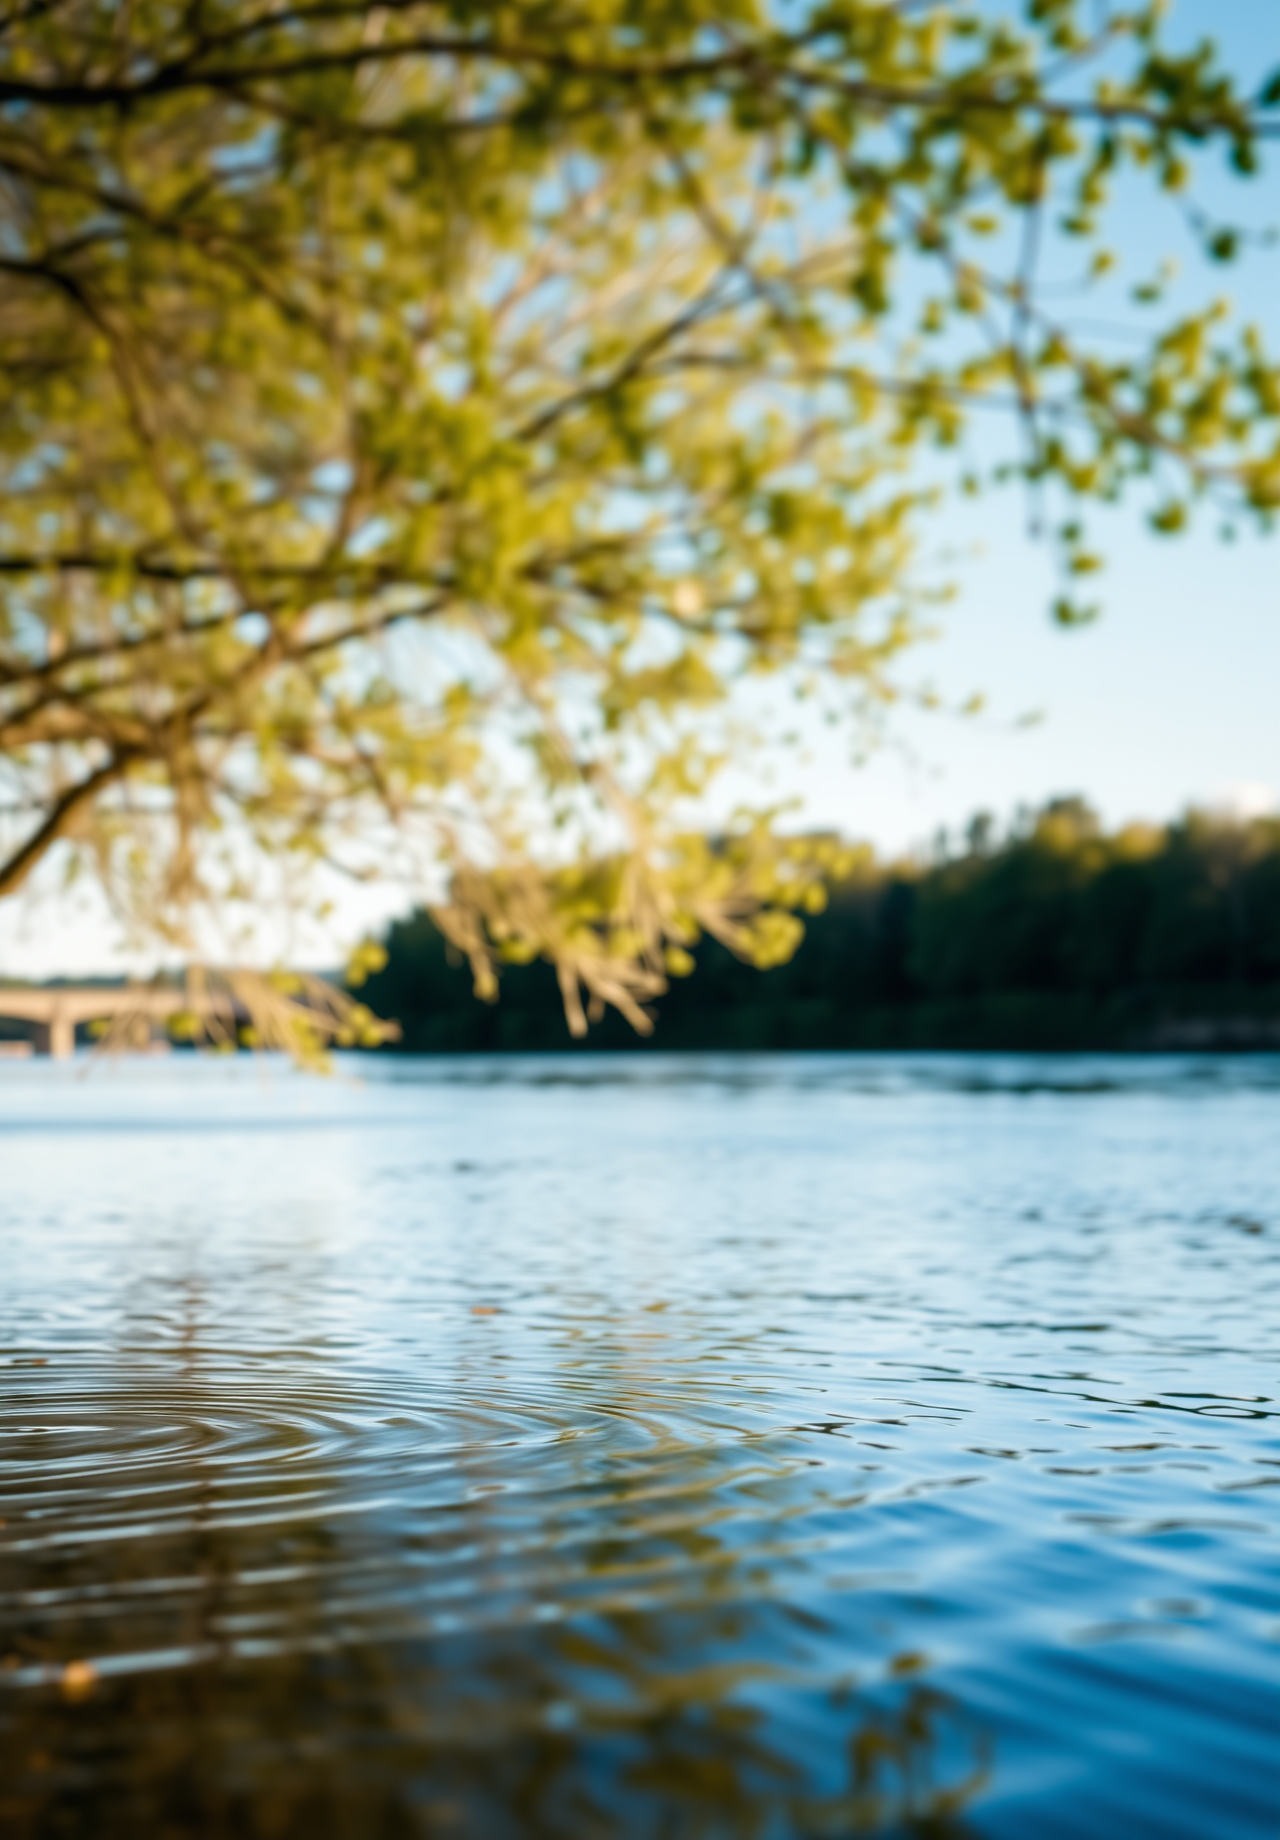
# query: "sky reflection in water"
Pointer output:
{"type": "Point", "coordinates": [785, 1446]}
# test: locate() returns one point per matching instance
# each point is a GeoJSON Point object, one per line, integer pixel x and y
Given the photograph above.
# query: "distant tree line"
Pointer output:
{"type": "Point", "coordinates": [1052, 935]}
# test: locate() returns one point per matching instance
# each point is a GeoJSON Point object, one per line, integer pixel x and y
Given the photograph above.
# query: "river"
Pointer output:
{"type": "Point", "coordinates": [640, 1446]}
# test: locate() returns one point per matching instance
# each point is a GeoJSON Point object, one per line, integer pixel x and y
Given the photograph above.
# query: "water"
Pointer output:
{"type": "Point", "coordinates": [785, 1446]}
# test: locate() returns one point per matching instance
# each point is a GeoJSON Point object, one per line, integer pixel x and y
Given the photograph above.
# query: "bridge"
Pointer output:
{"type": "Point", "coordinates": [55, 1011]}
{"type": "Point", "coordinates": [299, 1013]}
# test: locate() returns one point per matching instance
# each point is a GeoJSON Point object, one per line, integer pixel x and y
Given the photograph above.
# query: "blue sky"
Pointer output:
{"type": "Point", "coordinates": [1171, 699]}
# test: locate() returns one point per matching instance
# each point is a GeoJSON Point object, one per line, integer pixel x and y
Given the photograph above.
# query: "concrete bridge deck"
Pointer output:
{"type": "Point", "coordinates": [55, 1012]}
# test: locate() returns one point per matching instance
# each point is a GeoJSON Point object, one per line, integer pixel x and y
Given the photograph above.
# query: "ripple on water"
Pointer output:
{"type": "Point", "coordinates": [659, 1455]}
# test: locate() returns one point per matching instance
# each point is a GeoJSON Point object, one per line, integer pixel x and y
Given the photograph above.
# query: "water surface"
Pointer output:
{"type": "Point", "coordinates": [582, 1446]}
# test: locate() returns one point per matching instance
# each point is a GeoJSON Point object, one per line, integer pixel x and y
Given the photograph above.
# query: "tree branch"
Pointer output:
{"type": "Point", "coordinates": [24, 859]}
{"type": "Point", "coordinates": [772, 61]}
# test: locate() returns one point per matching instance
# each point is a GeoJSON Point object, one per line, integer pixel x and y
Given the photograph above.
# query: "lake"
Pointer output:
{"type": "Point", "coordinates": [641, 1446]}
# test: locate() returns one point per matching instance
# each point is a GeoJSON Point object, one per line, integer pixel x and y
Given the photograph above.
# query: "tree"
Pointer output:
{"type": "Point", "coordinates": [419, 417]}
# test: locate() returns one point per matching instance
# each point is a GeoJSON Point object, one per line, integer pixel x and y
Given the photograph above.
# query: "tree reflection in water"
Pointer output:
{"type": "Point", "coordinates": [278, 1653]}
{"type": "Point", "coordinates": [367, 1741]}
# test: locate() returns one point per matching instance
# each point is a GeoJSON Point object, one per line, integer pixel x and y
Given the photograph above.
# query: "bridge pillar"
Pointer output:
{"type": "Point", "coordinates": [57, 1037]}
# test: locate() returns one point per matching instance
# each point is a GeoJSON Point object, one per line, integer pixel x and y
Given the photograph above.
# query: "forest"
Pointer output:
{"type": "Point", "coordinates": [1050, 934]}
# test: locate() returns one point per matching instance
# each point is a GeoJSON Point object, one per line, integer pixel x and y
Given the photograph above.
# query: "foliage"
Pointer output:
{"type": "Point", "coordinates": [289, 1013]}
{"type": "Point", "coordinates": [1057, 936]}
{"type": "Point", "coordinates": [419, 417]}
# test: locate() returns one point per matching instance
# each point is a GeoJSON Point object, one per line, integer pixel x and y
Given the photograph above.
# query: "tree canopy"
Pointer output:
{"type": "Point", "coordinates": [419, 417]}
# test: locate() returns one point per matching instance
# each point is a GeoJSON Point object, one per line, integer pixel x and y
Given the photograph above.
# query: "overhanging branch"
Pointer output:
{"type": "Point", "coordinates": [25, 858]}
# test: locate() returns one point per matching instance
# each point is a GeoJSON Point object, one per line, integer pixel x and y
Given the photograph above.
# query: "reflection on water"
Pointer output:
{"type": "Point", "coordinates": [813, 1446]}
